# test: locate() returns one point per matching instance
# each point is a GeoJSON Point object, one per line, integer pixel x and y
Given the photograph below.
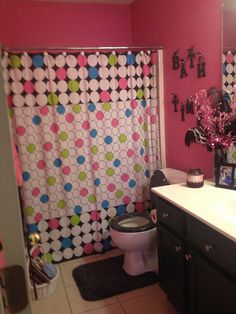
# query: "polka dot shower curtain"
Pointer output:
{"type": "Point", "coordinates": [86, 128]}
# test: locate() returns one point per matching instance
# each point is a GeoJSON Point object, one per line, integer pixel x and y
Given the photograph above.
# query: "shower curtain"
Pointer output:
{"type": "Point", "coordinates": [86, 129]}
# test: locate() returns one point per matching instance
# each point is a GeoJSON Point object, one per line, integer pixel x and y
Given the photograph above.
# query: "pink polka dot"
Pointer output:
{"type": "Point", "coordinates": [86, 125]}
{"type": "Point", "coordinates": [20, 130]}
{"type": "Point", "coordinates": [130, 153]}
{"type": "Point", "coordinates": [115, 122]}
{"type": "Point", "coordinates": [123, 83]}
{"type": "Point", "coordinates": [139, 207]}
{"type": "Point", "coordinates": [135, 136]}
{"type": "Point", "coordinates": [35, 192]}
{"type": "Point", "coordinates": [148, 111]}
{"type": "Point", "coordinates": [105, 96]}
{"type": "Point", "coordinates": [29, 87]}
{"type": "Point", "coordinates": [9, 101]}
{"type": "Point", "coordinates": [153, 119]}
{"type": "Point", "coordinates": [134, 104]}
{"type": "Point", "coordinates": [111, 187]}
{"type": "Point", "coordinates": [61, 73]}
{"type": "Point", "coordinates": [146, 70]}
{"type": "Point", "coordinates": [125, 177]}
{"type": "Point", "coordinates": [146, 158]}
{"type": "Point", "coordinates": [53, 224]}
{"type": "Point", "coordinates": [99, 115]}
{"type": "Point", "coordinates": [66, 170]}
{"type": "Point", "coordinates": [126, 200]}
{"type": "Point", "coordinates": [47, 146]}
{"type": "Point", "coordinates": [88, 248]}
{"type": "Point", "coordinates": [44, 110]}
{"type": "Point", "coordinates": [154, 58]}
{"type": "Point", "coordinates": [69, 117]}
{"type": "Point", "coordinates": [35, 251]}
{"type": "Point", "coordinates": [79, 143]}
{"type": "Point", "coordinates": [95, 215]}
{"type": "Point", "coordinates": [95, 166]}
{"type": "Point", "coordinates": [41, 164]}
{"type": "Point", "coordinates": [82, 60]}
{"type": "Point", "coordinates": [229, 57]}
{"type": "Point", "coordinates": [54, 128]}
{"type": "Point", "coordinates": [140, 120]}
{"type": "Point", "coordinates": [38, 217]}
{"type": "Point", "coordinates": [83, 192]}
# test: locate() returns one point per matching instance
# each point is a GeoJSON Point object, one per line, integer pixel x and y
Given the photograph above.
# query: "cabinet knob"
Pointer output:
{"type": "Point", "coordinates": [188, 257]}
{"type": "Point", "coordinates": [165, 215]}
{"type": "Point", "coordinates": [178, 248]}
{"type": "Point", "coordinates": [208, 247]}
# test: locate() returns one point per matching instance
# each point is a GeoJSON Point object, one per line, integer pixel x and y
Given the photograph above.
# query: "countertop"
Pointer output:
{"type": "Point", "coordinates": [214, 206]}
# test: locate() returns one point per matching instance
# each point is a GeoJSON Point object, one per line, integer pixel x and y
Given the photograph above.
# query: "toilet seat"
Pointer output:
{"type": "Point", "coordinates": [132, 222]}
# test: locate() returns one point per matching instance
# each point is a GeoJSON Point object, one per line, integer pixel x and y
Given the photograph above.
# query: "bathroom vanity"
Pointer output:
{"type": "Point", "coordinates": [197, 247]}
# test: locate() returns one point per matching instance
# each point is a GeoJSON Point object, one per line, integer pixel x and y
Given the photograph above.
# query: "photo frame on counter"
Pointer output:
{"type": "Point", "coordinates": [226, 176]}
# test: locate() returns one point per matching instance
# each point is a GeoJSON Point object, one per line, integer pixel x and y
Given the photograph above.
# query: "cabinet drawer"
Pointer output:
{"type": "Point", "coordinates": [170, 216]}
{"type": "Point", "coordinates": [217, 248]}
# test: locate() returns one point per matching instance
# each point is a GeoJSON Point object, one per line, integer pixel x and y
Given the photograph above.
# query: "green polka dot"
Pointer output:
{"type": "Point", "coordinates": [110, 172]}
{"type": "Point", "coordinates": [140, 94]}
{"type": "Point", "coordinates": [73, 86]}
{"type": "Point", "coordinates": [137, 167]}
{"type": "Point", "coordinates": [75, 220]}
{"type": "Point", "coordinates": [82, 176]}
{"type": "Point", "coordinates": [47, 257]}
{"type": "Point", "coordinates": [64, 153]}
{"type": "Point", "coordinates": [76, 108]}
{"type": "Point", "coordinates": [109, 156]}
{"type": "Point", "coordinates": [61, 204]}
{"type": "Point", "coordinates": [52, 99]}
{"type": "Point", "coordinates": [92, 198]}
{"type": "Point", "coordinates": [234, 155]}
{"type": "Point", "coordinates": [63, 136]}
{"type": "Point", "coordinates": [51, 181]}
{"type": "Point", "coordinates": [10, 113]}
{"type": "Point", "coordinates": [94, 150]}
{"type": "Point", "coordinates": [119, 193]}
{"type": "Point", "coordinates": [31, 148]}
{"type": "Point", "coordinates": [29, 211]}
{"type": "Point", "coordinates": [122, 138]}
{"type": "Point", "coordinates": [106, 106]}
{"type": "Point", "coordinates": [15, 61]}
{"type": "Point", "coordinates": [113, 59]}
{"type": "Point", "coordinates": [145, 127]}
{"type": "Point", "coordinates": [145, 143]}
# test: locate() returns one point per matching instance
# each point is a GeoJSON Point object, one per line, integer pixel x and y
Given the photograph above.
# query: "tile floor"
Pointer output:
{"type": "Point", "coordinates": [67, 300]}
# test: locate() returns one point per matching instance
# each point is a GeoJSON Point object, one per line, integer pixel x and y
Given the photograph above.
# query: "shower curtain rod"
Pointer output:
{"type": "Point", "coordinates": [79, 48]}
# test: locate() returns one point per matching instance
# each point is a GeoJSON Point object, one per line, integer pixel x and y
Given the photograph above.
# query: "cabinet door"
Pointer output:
{"type": "Point", "coordinates": [171, 267]}
{"type": "Point", "coordinates": [210, 290]}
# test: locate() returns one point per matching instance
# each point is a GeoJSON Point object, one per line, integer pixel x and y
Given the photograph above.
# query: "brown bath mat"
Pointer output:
{"type": "Point", "coordinates": [106, 278]}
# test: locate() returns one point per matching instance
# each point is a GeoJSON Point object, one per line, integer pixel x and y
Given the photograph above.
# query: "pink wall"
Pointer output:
{"type": "Point", "coordinates": [180, 25]}
{"type": "Point", "coordinates": [32, 23]}
{"type": "Point", "coordinates": [229, 29]}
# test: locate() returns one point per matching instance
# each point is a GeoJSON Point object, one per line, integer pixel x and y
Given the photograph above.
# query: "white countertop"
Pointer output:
{"type": "Point", "coordinates": [214, 206]}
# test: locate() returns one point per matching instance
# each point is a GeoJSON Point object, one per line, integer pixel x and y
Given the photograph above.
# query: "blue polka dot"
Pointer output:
{"type": "Point", "coordinates": [91, 107]}
{"type": "Point", "coordinates": [116, 163]}
{"type": "Point", "coordinates": [132, 183]}
{"type": "Point", "coordinates": [32, 228]}
{"type": "Point", "coordinates": [97, 182]}
{"type": "Point", "coordinates": [121, 210]}
{"type": "Point", "coordinates": [105, 204]}
{"type": "Point", "coordinates": [60, 109]}
{"type": "Point", "coordinates": [93, 133]}
{"type": "Point", "coordinates": [128, 113]}
{"type": "Point", "coordinates": [144, 103]}
{"type": "Point", "coordinates": [141, 151]}
{"type": "Point", "coordinates": [25, 176]}
{"type": "Point", "coordinates": [131, 58]}
{"type": "Point", "coordinates": [36, 120]}
{"type": "Point", "coordinates": [108, 139]}
{"type": "Point", "coordinates": [66, 242]}
{"type": "Point", "coordinates": [147, 174]}
{"type": "Point", "coordinates": [93, 72]}
{"type": "Point", "coordinates": [44, 198]}
{"type": "Point", "coordinates": [106, 244]}
{"type": "Point", "coordinates": [37, 61]}
{"type": "Point", "coordinates": [80, 160]}
{"type": "Point", "coordinates": [57, 162]}
{"type": "Point", "coordinates": [78, 209]}
{"type": "Point", "coordinates": [68, 187]}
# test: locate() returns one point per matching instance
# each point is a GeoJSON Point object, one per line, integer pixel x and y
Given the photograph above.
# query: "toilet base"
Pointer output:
{"type": "Point", "coordinates": [139, 262]}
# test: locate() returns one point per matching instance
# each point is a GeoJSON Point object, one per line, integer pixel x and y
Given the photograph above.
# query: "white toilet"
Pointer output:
{"type": "Point", "coordinates": [136, 233]}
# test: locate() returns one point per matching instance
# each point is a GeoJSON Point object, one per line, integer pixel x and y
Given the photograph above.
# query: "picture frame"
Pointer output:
{"type": "Point", "coordinates": [226, 176]}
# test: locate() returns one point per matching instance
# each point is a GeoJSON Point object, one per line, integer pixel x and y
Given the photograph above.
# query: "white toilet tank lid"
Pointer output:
{"type": "Point", "coordinates": [174, 175]}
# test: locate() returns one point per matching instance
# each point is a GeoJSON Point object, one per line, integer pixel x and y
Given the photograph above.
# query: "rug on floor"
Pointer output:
{"type": "Point", "coordinates": [106, 278]}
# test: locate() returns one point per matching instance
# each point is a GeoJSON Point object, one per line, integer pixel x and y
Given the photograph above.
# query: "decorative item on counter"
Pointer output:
{"type": "Point", "coordinates": [182, 109]}
{"type": "Point", "coordinates": [175, 60]}
{"type": "Point", "coordinates": [195, 178]}
{"type": "Point", "coordinates": [191, 55]}
{"type": "Point", "coordinates": [175, 101]}
{"type": "Point", "coordinates": [201, 66]}
{"type": "Point", "coordinates": [183, 72]}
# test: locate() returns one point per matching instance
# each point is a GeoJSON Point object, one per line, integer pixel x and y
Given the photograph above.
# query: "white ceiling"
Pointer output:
{"type": "Point", "coordinates": [229, 5]}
